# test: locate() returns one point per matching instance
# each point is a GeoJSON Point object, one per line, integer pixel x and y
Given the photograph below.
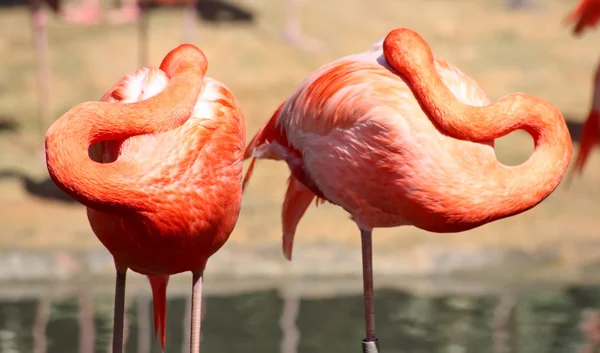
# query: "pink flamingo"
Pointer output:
{"type": "Point", "coordinates": [398, 136]}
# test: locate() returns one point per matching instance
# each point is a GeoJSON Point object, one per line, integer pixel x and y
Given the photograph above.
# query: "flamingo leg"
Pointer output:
{"type": "Point", "coordinates": [38, 21]}
{"type": "Point", "coordinates": [189, 20]}
{"type": "Point", "coordinates": [196, 313]}
{"type": "Point", "coordinates": [143, 34]}
{"type": "Point", "coordinates": [119, 314]}
{"type": "Point", "coordinates": [370, 342]}
{"type": "Point", "coordinates": [293, 31]}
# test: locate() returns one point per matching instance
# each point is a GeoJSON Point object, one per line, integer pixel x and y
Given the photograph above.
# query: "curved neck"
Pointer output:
{"type": "Point", "coordinates": [516, 189]}
{"type": "Point", "coordinates": [109, 187]}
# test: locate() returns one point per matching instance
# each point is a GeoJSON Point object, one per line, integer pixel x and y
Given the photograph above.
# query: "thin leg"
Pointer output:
{"type": "Point", "coordinates": [119, 314]}
{"type": "Point", "coordinates": [370, 342]}
{"type": "Point", "coordinates": [189, 21]}
{"type": "Point", "coordinates": [143, 35]}
{"type": "Point", "coordinates": [196, 313]}
{"type": "Point", "coordinates": [293, 30]}
{"type": "Point", "coordinates": [38, 21]}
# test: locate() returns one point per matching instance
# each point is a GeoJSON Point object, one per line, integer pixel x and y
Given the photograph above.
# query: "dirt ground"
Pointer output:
{"type": "Point", "coordinates": [529, 51]}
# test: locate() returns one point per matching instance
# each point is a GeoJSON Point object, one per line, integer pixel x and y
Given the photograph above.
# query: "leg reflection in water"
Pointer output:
{"type": "Point", "coordinates": [86, 322]}
{"type": "Point", "coordinates": [287, 323]}
{"type": "Point", "coordinates": [42, 315]}
{"type": "Point", "coordinates": [501, 324]}
{"type": "Point", "coordinates": [187, 317]}
{"type": "Point", "coordinates": [143, 323]}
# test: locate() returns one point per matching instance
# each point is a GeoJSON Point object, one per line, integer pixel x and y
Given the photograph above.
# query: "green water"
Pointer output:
{"type": "Point", "coordinates": [265, 321]}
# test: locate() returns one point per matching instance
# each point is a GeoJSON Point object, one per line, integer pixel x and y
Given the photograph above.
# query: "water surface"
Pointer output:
{"type": "Point", "coordinates": [284, 322]}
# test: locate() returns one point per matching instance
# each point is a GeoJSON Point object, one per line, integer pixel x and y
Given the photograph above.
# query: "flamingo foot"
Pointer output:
{"type": "Point", "coordinates": [125, 14]}
{"type": "Point", "coordinates": [297, 39]}
{"type": "Point", "coordinates": [84, 14]}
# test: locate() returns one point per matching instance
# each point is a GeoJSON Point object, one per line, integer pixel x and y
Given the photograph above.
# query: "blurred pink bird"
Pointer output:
{"type": "Point", "coordinates": [586, 15]}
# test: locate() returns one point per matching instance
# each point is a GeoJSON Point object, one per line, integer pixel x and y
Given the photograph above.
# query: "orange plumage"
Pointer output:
{"type": "Point", "coordinates": [586, 14]}
{"type": "Point", "coordinates": [162, 181]}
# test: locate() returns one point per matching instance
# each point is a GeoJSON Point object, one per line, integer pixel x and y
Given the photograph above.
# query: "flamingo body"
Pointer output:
{"type": "Point", "coordinates": [361, 130]}
{"type": "Point", "coordinates": [163, 185]}
{"type": "Point", "coordinates": [192, 194]}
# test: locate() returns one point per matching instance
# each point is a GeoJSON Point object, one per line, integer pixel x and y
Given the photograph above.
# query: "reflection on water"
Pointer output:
{"type": "Point", "coordinates": [284, 322]}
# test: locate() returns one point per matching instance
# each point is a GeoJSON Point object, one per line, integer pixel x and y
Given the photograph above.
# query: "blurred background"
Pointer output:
{"type": "Point", "coordinates": [523, 284]}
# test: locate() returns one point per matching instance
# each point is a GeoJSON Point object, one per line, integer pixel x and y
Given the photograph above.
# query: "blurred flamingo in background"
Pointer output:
{"type": "Point", "coordinates": [586, 14]}
{"type": "Point", "coordinates": [397, 136]}
{"type": "Point", "coordinates": [163, 185]}
{"type": "Point", "coordinates": [292, 32]}
{"type": "Point", "coordinates": [137, 10]}
{"type": "Point", "coordinates": [39, 24]}
{"type": "Point", "coordinates": [133, 10]}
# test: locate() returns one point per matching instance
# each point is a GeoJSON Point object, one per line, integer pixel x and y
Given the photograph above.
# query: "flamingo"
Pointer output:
{"type": "Point", "coordinates": [133, 10]}
{"type": "Point", "coordinates": [39, 24]}
{"type": "Point", "coordinates": [586, 14]}
{"type": "Point", "coordinates": [292, 32]}
{"type": "Point", "coordinates": [398, 136]}
{"type": "Point", "coordinates": [162, 181]}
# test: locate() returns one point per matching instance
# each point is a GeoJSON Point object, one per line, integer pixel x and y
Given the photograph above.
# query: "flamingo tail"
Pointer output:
{"type": "Point", "coordinates": [297, 199]}
{"type": "Point", "coordinates": [267, 134]}
{"type": "Point", "coordinates": [585, 15]}
{"type": "Point", "coordinates": [159, 299]}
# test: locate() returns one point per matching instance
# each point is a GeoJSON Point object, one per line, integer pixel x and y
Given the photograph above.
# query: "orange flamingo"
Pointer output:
{"type": "Point", "coordinates": [587, 14]}
{"type": "Point", "coordinates": [163, 185]}
{"type": "Point", "coordinates": [397, 136]}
